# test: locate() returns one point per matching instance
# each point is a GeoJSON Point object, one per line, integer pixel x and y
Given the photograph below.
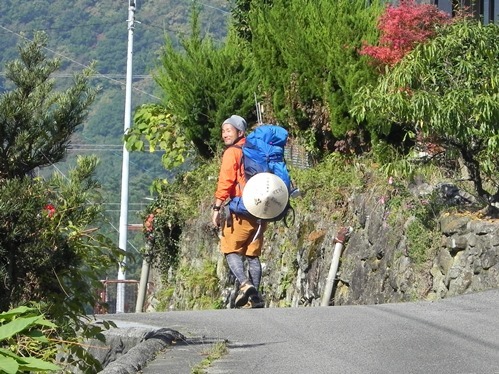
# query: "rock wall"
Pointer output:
{"type": "Point", "coordinates": [468, 257]}
{"type": "Point", "coordinates": [377, 264]}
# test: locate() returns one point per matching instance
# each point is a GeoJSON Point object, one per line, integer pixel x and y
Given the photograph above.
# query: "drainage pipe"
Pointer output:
{"type": "Point", "coordinates": [340, 239]}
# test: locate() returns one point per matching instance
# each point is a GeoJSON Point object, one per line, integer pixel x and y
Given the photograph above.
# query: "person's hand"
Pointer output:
{"type": "Point", "coordinates": [216, 218]}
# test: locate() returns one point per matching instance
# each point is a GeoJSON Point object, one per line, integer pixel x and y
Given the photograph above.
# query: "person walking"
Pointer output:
{"type": "Point", "coordinates": [241, 237]}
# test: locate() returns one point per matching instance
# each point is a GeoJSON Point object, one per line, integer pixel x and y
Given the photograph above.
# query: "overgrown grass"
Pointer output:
{"type": "Point", "coordinates": [164, 297]}
{"type": "Point", "coordinates": [421, 242]}
{"type": "Point", "coordinates": [178, 201]}
{"type": "Point", "coordinates": [327, 185]}
{"type": "Point", "coordinates": [216, 351]}
{"type": "Point", "coordinates": [201, 286]}
{"type": "Point", "coordinates": [416, 217]}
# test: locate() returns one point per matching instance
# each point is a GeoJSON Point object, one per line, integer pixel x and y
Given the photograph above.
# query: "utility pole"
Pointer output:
{"type": "Point", "coordinates": [123, 229]}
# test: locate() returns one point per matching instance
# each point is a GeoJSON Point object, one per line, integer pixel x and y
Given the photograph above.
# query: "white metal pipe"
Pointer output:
{"type": "Point", "coordinates": [340, 239]}
{"type": "Point", "coordinates": [123, 229]}
{"type": "Point", "coordinates": [333, 269]}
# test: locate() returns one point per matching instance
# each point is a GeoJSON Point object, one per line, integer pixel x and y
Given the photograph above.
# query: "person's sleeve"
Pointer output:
{"type": "Point", "coordinates": [227, 178]}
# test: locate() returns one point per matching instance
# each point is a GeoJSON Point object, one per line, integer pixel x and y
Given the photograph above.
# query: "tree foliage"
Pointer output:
{"type": "Point", "coordinates": [36, 121]}
{"type": "Point", "coordinates": [240, 17]}
{"type": "Point", "coordinates": [51, 252]}
{"type": "Point", "coordinates": [204, 84]}
{"type": "Point", "coordinates": [25, 325]}
{"type": "Point", "coordinates": [402, 27]}
{"type": "Point", "coordinates": [159, 129]}
{"type": "Point", "coordinates": [82, 31]}
{"type": "Point", "coordinates": [448, 88]}
{"type": "Point", "coordinates": [300, 58]}
{"type": "Point", "coordinates": [305, 55]}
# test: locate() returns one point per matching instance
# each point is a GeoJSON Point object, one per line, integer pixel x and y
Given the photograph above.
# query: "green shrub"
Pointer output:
{"type": "Point", "coordinates": [25, 344]}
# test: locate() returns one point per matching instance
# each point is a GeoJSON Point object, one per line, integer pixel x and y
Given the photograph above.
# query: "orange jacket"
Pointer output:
{"type": "Point", "coordinates": [231, 177]}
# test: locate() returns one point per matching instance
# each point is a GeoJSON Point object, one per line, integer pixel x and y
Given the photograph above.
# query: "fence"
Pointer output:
{"type": "Point", "coordinates": [108, 294]}
{"type": "Point", "coordinates": [296, 155]}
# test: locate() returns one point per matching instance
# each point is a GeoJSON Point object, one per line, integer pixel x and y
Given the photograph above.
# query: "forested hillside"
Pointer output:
{"type": "Point", "coordinates": [83, 31]}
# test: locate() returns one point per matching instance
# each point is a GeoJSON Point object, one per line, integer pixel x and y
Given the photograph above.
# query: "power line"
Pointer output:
{"type": "Point", "coordinates": [116, 149]}
{"type": "Point", "coordinates": [103, 76]}
{"type": "Point", "coordinates": [110, 77]}
{"type": "Point", "coordinates": [117, 203]}
{"type": "Point", "coordinates": [214, 7]}
{"type": "Point", "coordinates": [79, 63]}
{"type": "Point", "coordinates": [113, 148]}
{"type": "Point", "coordinates": [95, 145]}
{"type": "Point", "coordinates": [108, 150]}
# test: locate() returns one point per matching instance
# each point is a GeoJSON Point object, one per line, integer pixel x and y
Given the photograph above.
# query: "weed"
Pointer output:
{"type": "Point", "coordinates": [420, 242]}
{"type": "Point", "coordinates": [216, 351]}
{"type": "Point", "coordinates": [202, 284]}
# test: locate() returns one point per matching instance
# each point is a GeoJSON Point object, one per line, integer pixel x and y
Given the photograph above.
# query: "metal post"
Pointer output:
{"type": "Point", "coordinates": [144, 277]}
{"type": "Point", "coordinates": [340, 239]}
{"type": "Point", "coordinates": [123, 229]}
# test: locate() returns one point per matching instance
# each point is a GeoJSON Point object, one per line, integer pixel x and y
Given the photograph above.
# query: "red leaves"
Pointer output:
{"type": "Point", "coordinates": [402, 27]}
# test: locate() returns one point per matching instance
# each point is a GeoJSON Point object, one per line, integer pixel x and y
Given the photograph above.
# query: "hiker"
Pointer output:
{"type": "Point", "coordinates": [241, 236]}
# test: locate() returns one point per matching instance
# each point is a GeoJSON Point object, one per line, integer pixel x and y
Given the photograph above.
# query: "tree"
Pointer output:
{"type": "Point", "coordinates": [448, 88]}
{"type": "Point", "coordinates": [306, 61]}
{"type": "Point", "coordinates": [51, 251]}
{"type": "Point", "coordinates": [402, 27]}
{"type": "Point", "coordinates": [203, 84]}
{"type": "Point", "coordinates": [156, 126]}
{"type": "Point", "coordinates": [240, 17]}
{"type": "Point", "coordinates": [300, 58]}
{"type": "Point", "coordinates": [37, 121]}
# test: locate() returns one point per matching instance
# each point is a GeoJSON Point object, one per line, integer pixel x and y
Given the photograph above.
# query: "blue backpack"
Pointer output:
{"type": "Point", "coordinates": [263, 152]}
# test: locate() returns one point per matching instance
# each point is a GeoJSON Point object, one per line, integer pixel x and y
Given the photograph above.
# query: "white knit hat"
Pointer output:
{"type": "Point", "coordinates": [265, 195]}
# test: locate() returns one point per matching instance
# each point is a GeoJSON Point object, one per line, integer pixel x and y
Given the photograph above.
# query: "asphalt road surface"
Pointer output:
{"type": "Point", "coordinates": [457, 335]}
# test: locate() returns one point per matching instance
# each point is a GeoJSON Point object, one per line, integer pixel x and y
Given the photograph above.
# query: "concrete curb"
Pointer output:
{"type": "Point", "coordinates": [128, 350]}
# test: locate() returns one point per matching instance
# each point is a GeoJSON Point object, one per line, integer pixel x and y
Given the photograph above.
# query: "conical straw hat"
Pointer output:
{"type": "Point", "coordinates": [265, 195]}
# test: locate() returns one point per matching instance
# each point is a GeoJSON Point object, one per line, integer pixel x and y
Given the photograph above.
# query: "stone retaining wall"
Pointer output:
{"type": "Point", "coordinates": [377, 264]}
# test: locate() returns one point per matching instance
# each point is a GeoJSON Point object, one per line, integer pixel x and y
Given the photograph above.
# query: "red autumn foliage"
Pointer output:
{"type": "Point", "coordinates": [402, 27]}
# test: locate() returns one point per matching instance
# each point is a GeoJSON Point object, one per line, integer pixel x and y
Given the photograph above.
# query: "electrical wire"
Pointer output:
{"type": "Point", "coordinates": [109, 77]}
{"type": "Point", "coordinates": [80, 64]}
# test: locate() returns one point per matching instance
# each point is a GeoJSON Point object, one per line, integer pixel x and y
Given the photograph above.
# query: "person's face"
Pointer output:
{"type": "Point", "coordinates": [230, 134]}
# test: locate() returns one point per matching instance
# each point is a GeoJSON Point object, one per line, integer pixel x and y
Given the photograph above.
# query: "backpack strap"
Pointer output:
{"type": "Point", "coordinates": [228, 216]}
{"type": "Point", "coordinates": [258, 231]}
{"type": "Point", "coordinates": [241, 163]}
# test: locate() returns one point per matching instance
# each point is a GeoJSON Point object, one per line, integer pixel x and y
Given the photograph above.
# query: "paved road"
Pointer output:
{"type": "Point", "coordinates": [451, 336]}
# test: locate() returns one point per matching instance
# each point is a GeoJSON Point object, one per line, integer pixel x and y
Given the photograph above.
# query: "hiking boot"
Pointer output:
{"type": "Point", "coordinates": [254, 301]}
{"type": "Point", "coordinates": [245, 291]}
{"type": "Point", "coordinates": [257, 302]}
